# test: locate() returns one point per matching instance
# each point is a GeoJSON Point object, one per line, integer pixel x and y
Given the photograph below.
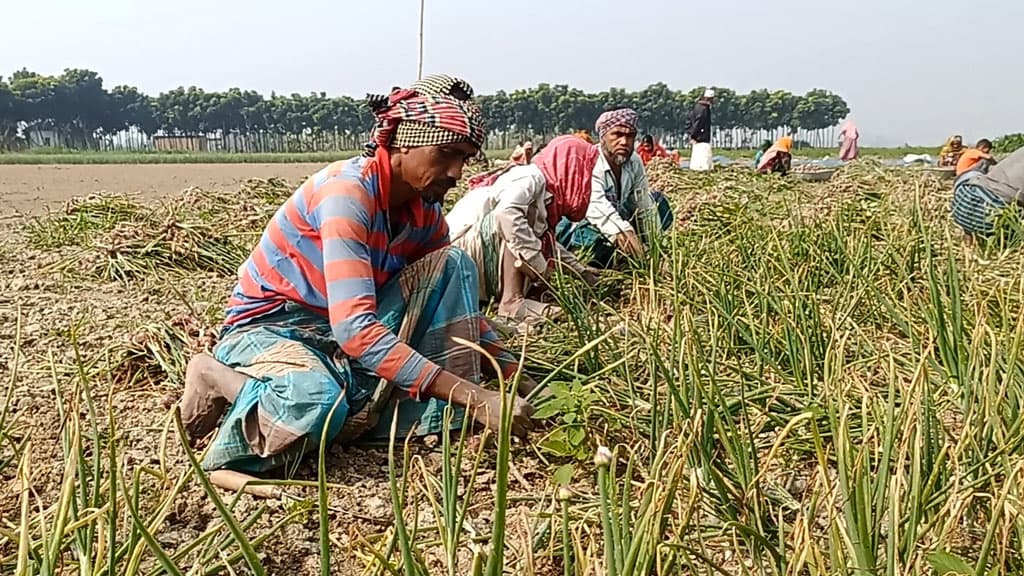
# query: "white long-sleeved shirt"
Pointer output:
{"type": "Point", "coordinates": [606, 197]}
{"type": "Point", "coordinates": [518, 200]}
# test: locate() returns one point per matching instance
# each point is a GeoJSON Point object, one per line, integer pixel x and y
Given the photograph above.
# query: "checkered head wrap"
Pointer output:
{"type": "Point", "coordinates": [433, 111]}
{"type": "Point", "coordinates": [622, 117]}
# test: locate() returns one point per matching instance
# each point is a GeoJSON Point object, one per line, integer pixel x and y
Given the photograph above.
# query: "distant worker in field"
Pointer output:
{"type": "Point", "coordinates": [624, 213]}
{"type": "Point", "coordinates": [848, 149]}
{"type": "Point", "coordinates": [650, 149]}
{"type": "Point", "coordinates": [481, 159]}
{"type": "Point", "coordinates": [778, 159]}
{"type": "Point", "coordinates": [760, 152]}
{"type": "Point", "coordinates": [979, 199]}
{"type": "Point", "coordinates": [523, 153]}
{"type": "Point", "coordinates": [699, 130]}
{"type": "Point", "coordinates": [585, 135]}
{"type": "Point", "coordinates": [352, 298]}
{"type": "Point", "coordinates": [506, 223]}
{"type": "Point", "coordinates": [951, 151]}
{"type": "Point", "coordinates": [977, 159]}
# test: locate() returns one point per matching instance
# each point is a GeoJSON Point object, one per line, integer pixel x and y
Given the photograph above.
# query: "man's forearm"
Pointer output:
{"type": "Point", "coordinates": [451, 388]}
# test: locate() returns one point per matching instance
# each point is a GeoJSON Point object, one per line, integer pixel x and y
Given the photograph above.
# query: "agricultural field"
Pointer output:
{"type": "Point", "coordinates": [36, 189]}
{"type": "Point", "coordinates": [806, 378]}
{"type": "Point", "coordinates": [46, 156]}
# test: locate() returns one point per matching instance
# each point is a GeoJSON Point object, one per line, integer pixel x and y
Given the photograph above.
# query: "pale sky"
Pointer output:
{"type": "Point", "coordinates": [911, 71]}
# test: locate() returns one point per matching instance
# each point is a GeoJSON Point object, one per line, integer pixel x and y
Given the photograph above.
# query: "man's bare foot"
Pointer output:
{"type": "Point", "coordinates": [510, 308]}
{"type": "Point", "coordinates": [204, 400]}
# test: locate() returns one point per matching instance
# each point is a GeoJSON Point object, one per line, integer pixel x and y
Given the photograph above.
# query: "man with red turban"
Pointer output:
{"type": "Point", "coordinates": [351, 301]}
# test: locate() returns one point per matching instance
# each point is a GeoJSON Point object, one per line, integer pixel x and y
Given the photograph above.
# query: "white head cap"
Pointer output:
{"type": "Point", "coordinates": [709, 93]}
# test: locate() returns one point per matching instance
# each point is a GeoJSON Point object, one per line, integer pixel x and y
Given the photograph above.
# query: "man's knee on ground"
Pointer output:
{"type": "Point", "coordinates": [456, 257]}
{"type": "Point", "coordinates": [202, 367]}
{"type": "Point", "coordinates": [269, 433]}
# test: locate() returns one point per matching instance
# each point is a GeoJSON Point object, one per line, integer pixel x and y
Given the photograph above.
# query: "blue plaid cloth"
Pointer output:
{"type": "Point", "coordinates": [583, 238]}
{"type": "Point", "coordinates": [296, 373]}
{"type": "Point", "coordinates": [975, 208]}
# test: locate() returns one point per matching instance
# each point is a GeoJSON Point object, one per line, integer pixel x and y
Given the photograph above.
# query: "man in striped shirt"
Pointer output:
{"type": "Point", "coordinates": [352, 300]}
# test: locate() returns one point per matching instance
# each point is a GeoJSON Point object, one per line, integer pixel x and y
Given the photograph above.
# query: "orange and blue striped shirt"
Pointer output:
{"type": "Point", "coordinates": [328, 248]}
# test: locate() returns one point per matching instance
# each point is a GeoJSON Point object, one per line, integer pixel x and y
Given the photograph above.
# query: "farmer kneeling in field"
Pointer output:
{"type": "Point", "coordinates": [623, 212]}
{"type": "Point", "coordinates": [979, 199]}
{"type": "Point", "coordinates": [506, 223]}
{"type": "Point", "coordinates": [354, 295]}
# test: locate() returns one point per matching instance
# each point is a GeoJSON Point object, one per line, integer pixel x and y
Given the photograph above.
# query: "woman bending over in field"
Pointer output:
{"type": "Point", "coordinates": [778, 158]}
{"type": "Point", "coordinates": [506, 224]}
{"type": "Point", "coordinates": [951, 151]}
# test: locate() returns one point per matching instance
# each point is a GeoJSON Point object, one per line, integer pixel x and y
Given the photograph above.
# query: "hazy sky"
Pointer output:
{"type": "Point", "coordinates": [911, 71]}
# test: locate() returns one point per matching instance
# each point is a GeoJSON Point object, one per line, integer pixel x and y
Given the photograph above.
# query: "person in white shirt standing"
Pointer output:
{"type": "Point", "coordinates": [700, 133]}
{"type": "Point", "coordinates": [624, 214]}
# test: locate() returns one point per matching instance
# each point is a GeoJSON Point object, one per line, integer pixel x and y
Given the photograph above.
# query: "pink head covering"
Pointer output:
{"type": "Point", "coordinates": [850, 130]}
{"type": "Point", "coordinates": [567, 163]}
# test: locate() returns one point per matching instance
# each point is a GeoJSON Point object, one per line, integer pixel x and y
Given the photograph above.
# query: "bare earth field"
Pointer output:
{"type": "Point", "coordinates": [805, 378]}
{"type": "Point", "coordinates": [34, 189]}
{"type": "Point", "coordinates": [45, 306]}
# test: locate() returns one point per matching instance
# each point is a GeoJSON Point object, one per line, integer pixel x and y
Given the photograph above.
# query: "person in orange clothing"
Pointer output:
{"type": "Point", "coordinates": [585, 134]}
{"type": "Point", "coordinates": [522, 154]}
{"type": "Point", "coordinates": [778, 158]}
{"type": "Point", "coordinates": [650, 149]}
{"type": "Point", "coordinates": [977, 159]}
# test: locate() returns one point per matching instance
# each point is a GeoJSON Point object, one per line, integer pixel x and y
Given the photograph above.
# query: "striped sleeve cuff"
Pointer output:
{"type": "Point", "coordinates": [424, 380]}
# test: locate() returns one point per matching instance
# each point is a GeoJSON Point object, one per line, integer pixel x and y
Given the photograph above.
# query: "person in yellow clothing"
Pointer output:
{"type": "Point", "coordinates": [778, 158]}
{"type": "Point", "coordinates": [977, 159]}
{"type": "Point", "coordinates": [951, 151]}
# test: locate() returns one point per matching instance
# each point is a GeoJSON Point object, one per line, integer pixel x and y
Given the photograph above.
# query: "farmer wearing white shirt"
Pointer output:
{"type": "Point", "coordinates": [623, 212]}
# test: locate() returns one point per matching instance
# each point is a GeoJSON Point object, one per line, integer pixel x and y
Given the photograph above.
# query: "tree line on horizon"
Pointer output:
{"type": "Point", "coordinates": [81, 113]}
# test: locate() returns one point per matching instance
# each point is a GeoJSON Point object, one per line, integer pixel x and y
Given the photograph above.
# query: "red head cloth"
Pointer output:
{"type": "Point", "coordinates": [432, 116]}
{"type": "Point", "coordinates": [567, 163]}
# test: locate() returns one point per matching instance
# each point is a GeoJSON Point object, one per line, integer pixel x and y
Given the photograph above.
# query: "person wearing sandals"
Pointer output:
{"type": "Point", "coordinates": [979, 199]}
{"type": "Point", "coordinates": [506, 224]}
{"type": "Point", "coordinates": [346, 311]}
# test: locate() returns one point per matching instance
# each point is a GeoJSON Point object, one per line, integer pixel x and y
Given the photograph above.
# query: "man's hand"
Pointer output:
{"type": "Point", "coordinates": [528, 386]}
{"type": "Point", "coordinates": [484, 405]}
{"type": "Point", "coordinates": [487, 411]}
{"type": "Point", "coordinates": [629, 243]}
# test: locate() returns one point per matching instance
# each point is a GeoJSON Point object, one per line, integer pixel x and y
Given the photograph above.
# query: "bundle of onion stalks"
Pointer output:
{"type": "Point", "coordinates": [117, 238]}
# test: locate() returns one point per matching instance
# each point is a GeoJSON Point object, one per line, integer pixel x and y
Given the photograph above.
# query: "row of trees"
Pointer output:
{"type": "Point", "coordinates": [79, 112]}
